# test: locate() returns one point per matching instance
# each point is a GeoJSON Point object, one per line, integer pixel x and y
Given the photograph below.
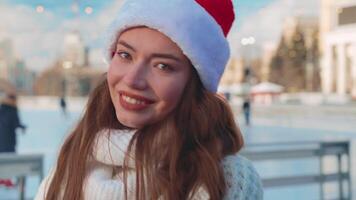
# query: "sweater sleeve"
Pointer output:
{"type": "Point", "coordinates": [242, 179]}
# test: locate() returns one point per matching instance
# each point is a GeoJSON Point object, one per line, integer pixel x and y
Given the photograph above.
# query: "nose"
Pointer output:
{"type": "Point", "coordinates": [136, 77]}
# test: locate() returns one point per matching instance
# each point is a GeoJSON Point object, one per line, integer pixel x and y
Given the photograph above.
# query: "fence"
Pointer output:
{"type": "Point", "coordinates": [20, 166]}
{"type": "Point", "coordinates": [303, 150]}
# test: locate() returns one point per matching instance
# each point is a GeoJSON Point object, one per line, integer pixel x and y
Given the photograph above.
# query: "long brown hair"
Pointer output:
{"type": "Point", "coordinates": [174, 157]}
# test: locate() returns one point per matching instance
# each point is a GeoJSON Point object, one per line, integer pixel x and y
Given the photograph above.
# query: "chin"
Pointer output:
{"type": "Point", "coordinates": [130, 123]}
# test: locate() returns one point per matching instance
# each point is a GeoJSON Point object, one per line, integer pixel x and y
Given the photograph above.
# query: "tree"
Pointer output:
{"type": "Point", "coordinates": [288, 65]}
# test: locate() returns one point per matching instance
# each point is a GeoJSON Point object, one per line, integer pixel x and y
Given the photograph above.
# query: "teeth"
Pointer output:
{"type": "Point", "coordinates": [132, 100]}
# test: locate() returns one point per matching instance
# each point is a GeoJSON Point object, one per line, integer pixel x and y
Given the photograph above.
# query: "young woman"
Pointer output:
{"type": "Point", "coordinates": [155, 128]}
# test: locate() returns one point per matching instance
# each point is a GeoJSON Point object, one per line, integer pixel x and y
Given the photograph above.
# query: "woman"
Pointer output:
{"type": "Point", "coordinates": [155, 128]}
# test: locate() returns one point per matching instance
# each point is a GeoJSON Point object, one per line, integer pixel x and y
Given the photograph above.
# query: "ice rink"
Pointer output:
{"type": "Point", "coordinates": [48, 126]}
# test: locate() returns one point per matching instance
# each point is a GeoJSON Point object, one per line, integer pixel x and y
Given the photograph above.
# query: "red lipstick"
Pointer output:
{"type": "Point", "coordinates": [133, 102]}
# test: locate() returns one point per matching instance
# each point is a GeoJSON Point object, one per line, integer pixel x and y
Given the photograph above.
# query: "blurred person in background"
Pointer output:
{"type": "Point", "coordinates": [9, 122]}
{"type": "Point", "coordinates": [155, 127]}
{"type": "Point", "coordinates": [246, 107]}
{"type": "Point", "coordinates": [63, 105]}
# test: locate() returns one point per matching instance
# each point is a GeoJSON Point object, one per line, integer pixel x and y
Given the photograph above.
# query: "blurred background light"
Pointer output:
{"type": "Point", "coordinates": [40, 9]}
{"type": "Point", "coordinates": [88, 10]}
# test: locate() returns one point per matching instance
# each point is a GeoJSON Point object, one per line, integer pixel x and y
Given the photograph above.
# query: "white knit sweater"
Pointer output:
{"type": "Point", "coordinates": [242, 180]}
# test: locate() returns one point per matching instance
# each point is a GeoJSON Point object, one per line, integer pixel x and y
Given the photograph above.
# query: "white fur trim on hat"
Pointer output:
{"type": "Point", "coordinates": [187, 24]}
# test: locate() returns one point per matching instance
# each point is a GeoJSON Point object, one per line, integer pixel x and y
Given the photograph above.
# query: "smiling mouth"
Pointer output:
{"type": "Point", "coordinates": [133, 102]}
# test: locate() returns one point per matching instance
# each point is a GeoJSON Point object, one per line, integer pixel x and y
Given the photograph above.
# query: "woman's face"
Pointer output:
{"type": "Point", "coordinates": [146, 77]}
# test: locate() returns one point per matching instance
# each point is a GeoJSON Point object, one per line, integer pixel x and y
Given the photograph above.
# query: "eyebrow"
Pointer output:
{"type": "Point", "coordinates": [168, 56]}
{"type": "Point", "coordinates": [123, 43]}
{"type": "Point", "coordinates": [157, 55]}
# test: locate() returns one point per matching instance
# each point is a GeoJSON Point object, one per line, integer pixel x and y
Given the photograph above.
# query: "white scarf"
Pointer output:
{"type": "Point", "coordinates": [102, 184]}
{"type": "Point", "coordinates": [110, 147]}
{"type": "Point", "coordinates": [109, 150]}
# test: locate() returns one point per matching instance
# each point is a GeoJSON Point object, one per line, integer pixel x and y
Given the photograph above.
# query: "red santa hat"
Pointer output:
{"type": "Point", "coordinates": [198, 27]}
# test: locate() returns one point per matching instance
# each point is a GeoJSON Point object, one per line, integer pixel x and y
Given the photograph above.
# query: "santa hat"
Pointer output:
{"type": "Point", "coordinates": [198, 27]}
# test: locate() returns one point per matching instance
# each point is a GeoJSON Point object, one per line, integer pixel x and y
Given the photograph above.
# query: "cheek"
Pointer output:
{"type": "Point", "coordinates": [113, 78]}
{"type": "Point", "coordinates": [172, 89]}
{"type": "Point", "coordinates": [170, 92]}
{"type": "Point", "coordinates": [110, 79]}
{"type": "Point", "coordinates": [113, 75]}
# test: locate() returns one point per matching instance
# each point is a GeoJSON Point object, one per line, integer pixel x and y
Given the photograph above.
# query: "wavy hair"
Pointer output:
{"type": "Point", "coordinates": [174, 157]}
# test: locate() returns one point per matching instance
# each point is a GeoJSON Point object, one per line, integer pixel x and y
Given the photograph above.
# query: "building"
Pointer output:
{"type": "Point", "coordinates": [72, 73]}
{"type": "Point", "coordinates": [13, 69]}
{"type": "Point", "coordinates": [74, 50]}
{"type": "Point", "coordinates": [7, 59]}
{"type": "Point", "coordinates": [74, 81]}
{"type": "Point", "coordinates": [22, 77]}
{"type": "Point", "coordinates": [338, 36]}
{"type": "Point", "coordinates": [233, 73]}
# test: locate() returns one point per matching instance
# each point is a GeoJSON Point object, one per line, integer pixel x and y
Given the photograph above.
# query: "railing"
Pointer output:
{"type": "Point", "coordinates": [282, 151]}
{"type": "Point", "coordinates": [20, 166]}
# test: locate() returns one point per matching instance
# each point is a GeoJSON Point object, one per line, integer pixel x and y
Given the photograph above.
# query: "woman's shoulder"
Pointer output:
{"type": "Point", "coordinates": [242, 180]}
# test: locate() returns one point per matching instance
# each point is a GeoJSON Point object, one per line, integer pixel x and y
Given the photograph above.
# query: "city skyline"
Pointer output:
{"type": "Point", "coordinates": [38, 33]}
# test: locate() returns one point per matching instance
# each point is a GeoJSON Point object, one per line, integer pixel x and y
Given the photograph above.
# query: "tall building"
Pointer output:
{"type": "Point", "coordinates": [338, 37]}
{"type": "Point", "coordinates": [7, 59]}
{"type": "Point", "coordinates": [13, 69]}
{"type": "Point", "coordinates": [72, 73]}
{"type": "Point", "coordinates": [74, 50]}
{"type": "Point", "coordinates": [22, 77]}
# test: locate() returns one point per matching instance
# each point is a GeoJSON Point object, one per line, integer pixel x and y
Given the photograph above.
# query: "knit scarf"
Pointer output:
{"type": "Point", "coordinates": [111, 146]}
{"type": "Point", "coordinates": [109, 150]}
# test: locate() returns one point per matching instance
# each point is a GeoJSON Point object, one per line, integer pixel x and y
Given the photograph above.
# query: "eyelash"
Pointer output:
{"type": "Point", "coordinates": [121, 53]}
{"type": "Point", "coordinates": [167, 67]}
{"type": "Point", "coordinates": [126, 56]}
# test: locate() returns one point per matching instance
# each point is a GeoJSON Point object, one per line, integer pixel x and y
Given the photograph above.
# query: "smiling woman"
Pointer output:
{"type": "Point", "coordinates": [146, 81]}
{"type": "Point", "coordinates": [155, 127]}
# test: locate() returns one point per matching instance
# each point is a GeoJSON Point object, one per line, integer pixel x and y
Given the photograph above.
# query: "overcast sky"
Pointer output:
{"type": "Point", "coordinates": [38, 37]}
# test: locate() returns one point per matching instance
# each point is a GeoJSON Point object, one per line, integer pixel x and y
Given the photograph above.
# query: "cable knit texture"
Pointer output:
{"type": "Point", "coordinates": [243, 182]}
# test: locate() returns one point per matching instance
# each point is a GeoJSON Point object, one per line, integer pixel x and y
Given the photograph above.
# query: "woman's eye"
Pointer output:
{"type": "Point", "coordinates": [164, 67]}
{"type": "Point", "coordinates": [124, 55]}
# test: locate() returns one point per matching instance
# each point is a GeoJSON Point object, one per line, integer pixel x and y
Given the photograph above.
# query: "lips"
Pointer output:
{"type": "Point", "coordinates": [133, 102]}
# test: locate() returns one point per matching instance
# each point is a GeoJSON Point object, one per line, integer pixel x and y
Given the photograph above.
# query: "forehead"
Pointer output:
{"type": "Point", "coordinates": [145, 37]}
